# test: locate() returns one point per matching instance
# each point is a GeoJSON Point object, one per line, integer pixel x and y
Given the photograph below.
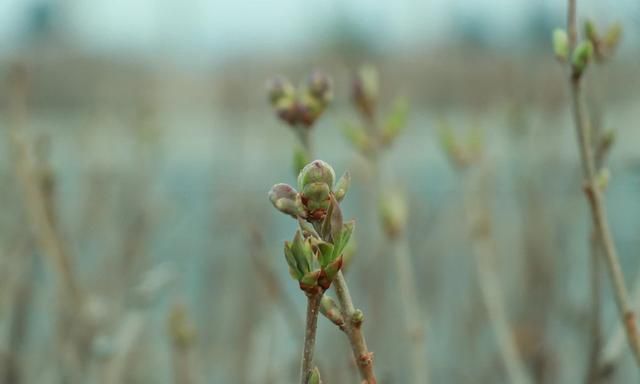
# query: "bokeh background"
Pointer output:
{"type": "Point", "coordinates": [146, 128]}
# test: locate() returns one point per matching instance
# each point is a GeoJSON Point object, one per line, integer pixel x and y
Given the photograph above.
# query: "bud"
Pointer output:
{"type": "Point", "coordinates": [309, 109]}
{"type": "Point", "coordinates": [330, 309]}
{"type": "Point", "coordinates": [602, 178]}
{"type": "Point", "coordinates": [279, 88]}
{"type": "Point", "coordinates": [286, 199]}
{"type": "Point", "coordinates": [314, 377]}
{"type": "Point", "coordinates": [561, 44]}
{"type": "Point", "coordinates": [287, 110]}
{"type": "Point", "coordinates": [357, 318]}
{"type": "Point", "coordinates": [181, 330]}
{"type": "Point", "coordinates": [365, 90]}
{"type": "Point", "coordinates": [319, 87]}
{"type": "Point", "coordinates": [317, 171]}
{"type": "Point", "coordinates": [581, 57]}
{"type": "Point", "coordinates": [342, 186]}
{"type": "Point", "coordinates": [613, 36]}
{"type": "Point", "coordinates": [591, 31]}
{"type": "Point", "coordinates": [394, 213]}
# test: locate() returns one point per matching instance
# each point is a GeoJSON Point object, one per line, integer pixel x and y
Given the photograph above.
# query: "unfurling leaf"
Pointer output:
{"type": "Point", "coordinates": [342, 186]}
{"type": "Point", "coordinates": [396, 121]}
{"type": "Point", "coordinates": [314, 377]}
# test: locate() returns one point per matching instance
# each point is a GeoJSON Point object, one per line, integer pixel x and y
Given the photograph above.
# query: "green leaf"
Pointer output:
{"type": "Point", "coordinates": [291, 261]}
{"type": "Point", "coordinates": [310, 279]}
{"type": "Point", "coordinates": [332, 269]}
{"type": "Point", "coordinates": [326, 253]}
{"type": "Point", "coordinates": [347, 230]}
{"type": "Point", "coordinates": [342, 186]}
{"type": "Point", "coordinates": [302, 253]}
{"type": "Point", "coordinates": [325, 228]}
{"type": "Point", "coordinates": [336, 220]}
{"type": "Point", "coordinates": [396, 121]}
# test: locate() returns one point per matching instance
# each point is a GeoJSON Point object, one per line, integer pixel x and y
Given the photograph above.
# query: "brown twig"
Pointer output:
{"type": "Point", "coordinates": [311, 325]}
{"type": "Point", "coordinates": [595, 197]}
{"type": "Point", "coordinates": [353, 317]}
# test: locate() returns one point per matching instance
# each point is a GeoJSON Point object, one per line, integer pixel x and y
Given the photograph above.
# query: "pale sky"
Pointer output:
{"type": "Point", "coordinates": [214, 27]}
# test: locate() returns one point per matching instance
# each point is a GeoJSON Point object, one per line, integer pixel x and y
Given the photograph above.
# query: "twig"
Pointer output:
{"type": "Point", "coordinates": [353, 317]}
{"type": "Point", "coordinates": [313, 306]}
{"type": "Point", "coordinates": [595, 197]}
{"type": "Point", "coordinates": [484, 249]}
{"type": "Point", "coordinates": [413, 321]}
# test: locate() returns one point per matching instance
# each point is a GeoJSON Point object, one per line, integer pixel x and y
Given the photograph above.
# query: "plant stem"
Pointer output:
{"type": "Point", "coordinates": [364, 358]}
{"type": "Point", "coordinates": [313, 308]}
{"type": "Point", "coordinates": [484, 250]}
{"type": "Point", "coordinates": [596, 201]}
{"type": "Point", "coordinates": [414, 326]}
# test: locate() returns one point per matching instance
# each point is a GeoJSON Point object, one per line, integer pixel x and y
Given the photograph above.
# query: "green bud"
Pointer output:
{"type": "Point", "coordinates": [285, 199]}
{"type": "Point", "coordinates": [309, 282]}
{"type": "Point", "coordinates": [330, 309]}
{"type": "Point", "coordinates": [357, 318]}
{"type": "Point", "coordinates": [329, 272]}
{"type": "Point", "coordinates": [342, 186]}
{"type": "Point", "coordinates": [302, 252]}
{"type": "Point", "coordinates": [365, 90]}
{"type": "Point", "coordinates": [581, 57]}
{"type": "Point", "coordinates": [561, 44]}
{"type": "Point", "coordinates": [294, 270]}
{"type": "Point", "coordinates": [613, 36]}
{"type": "Point", "coordinates": [314, 377]}
{"type": "Point", "coordinates": [316, 172]}
{"type": "Point", "coordinates": [393, 212]}
{"type": "Point", "coordinates": [591, 31]}
{"type": "Point", "coordinates": [602, 179]}
{"type": "Point", "coordinates": [396, 121]}
{"type": "Point", "coordinates": [278, 88]}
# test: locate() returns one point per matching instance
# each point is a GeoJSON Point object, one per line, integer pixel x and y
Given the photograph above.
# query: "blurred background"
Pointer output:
{"type": "Point", "coordinates": [137, 244]}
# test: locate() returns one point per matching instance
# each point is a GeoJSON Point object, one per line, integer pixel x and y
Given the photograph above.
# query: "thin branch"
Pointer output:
{"type": "Point", "coordinates": [353, 317]}
{"type": "Point", "coordinates": [313, 306]}
{"type": "Point", "coordinates": [414, 324]}
{"type": "Point", "coordinates": [596, 201]}
{"type": "Point", "coordinates": [485, 250]}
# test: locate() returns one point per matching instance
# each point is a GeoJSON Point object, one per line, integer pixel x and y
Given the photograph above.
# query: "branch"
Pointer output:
{"type": "Point", "coordinates": [596, 201]}
{"type": "Point", "coordinates": [313, 306]}
{"type": "Point", "coordinates": [353, 317]}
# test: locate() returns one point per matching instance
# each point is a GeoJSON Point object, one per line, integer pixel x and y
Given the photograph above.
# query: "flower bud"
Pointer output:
{"type": "Point", "coordinates": [309, 109]}
{"type": "Point", "coordinates": [591, 31]}
{"type": "Point", "coordinates": [365, 90]}
{"type": "Point", "coordinates": [286, 109]}
{"type": "Point", "coordinates": [613, 36]}
{"type": "Point", "coordinates": [561, 44]}
{"type": "Point", "coordinates": [342, 186]}
{"type": "Point", "coordinates": [581, 57]}
{"type": "Point", "coordinates": [314, 377]}
{"type": "Point", "coordinates": [317, 171]}
{"type": "Point", "coordinates": [319, 86]}
{"type": "Point", "coordinates": [393, 212]}
{"type": "Point", "coordinates": [279, 88]}
{"type": "Point", "coordinates": [286, 199]}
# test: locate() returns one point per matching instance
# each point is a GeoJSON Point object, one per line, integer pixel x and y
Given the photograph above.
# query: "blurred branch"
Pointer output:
{"type": "Point", "coordinates": [479, 226]}
{"type": "Point", "coordinates": [592, 189]}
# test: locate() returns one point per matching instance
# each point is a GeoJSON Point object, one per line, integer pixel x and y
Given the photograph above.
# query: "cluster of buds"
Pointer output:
{"type": "Point", "coordinates": [366, 136]}
{"type": "Point", "coordinates": [302, 106]}
{"type": "Point", "coordinates": [595, 45]}
{"type": "Point", "coordinates": [315, 255]}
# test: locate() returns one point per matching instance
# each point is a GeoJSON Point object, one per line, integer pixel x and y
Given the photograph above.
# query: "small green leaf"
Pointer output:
{"type": "Point", "coordinates": [310, 279]}
{"type": "Point", "coordinates": [291, 261]}
{"type": "Point", "coordinates": [347, 230]}
{"type": "Point", "coordinates": [332, 269]}
{"type": "Point", "coordinates": [326, 253]}
{"type": "Point", "coordinates": [582, 56]}
{"type": "Point", "coordinates": [336, 220]}
{"type": "Point", "coordinates": [342, 186]}
{"type": "Point", "coordinates": [302, 253]}
{"type": "Point", "coordinates": [396, 121]}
